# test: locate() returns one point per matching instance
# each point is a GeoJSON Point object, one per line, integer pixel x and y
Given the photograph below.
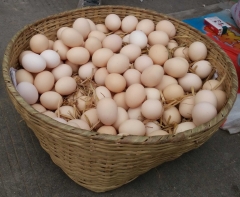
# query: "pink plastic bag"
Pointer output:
{"type": "Point", "coordinates": [235, 11]}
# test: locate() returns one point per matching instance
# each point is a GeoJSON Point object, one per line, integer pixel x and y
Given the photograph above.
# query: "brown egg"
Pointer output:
{"type": "Point", "coordinates": [74, 67]}
{"type": "Point", "coordinates": [113, 22]}
{"type": "Point", "coordinates": [115, 82]}
{"type": "Point", "coordinates": [62, 70]}
{"type": "Point", "coordinates": [81, 123]}
{"type": "Point", "coordinates": [167, 26]}
{"type": "Point", "coordinates": [152, 93]}
{"type": "Point", "coordinates": [50, 44]}
{"type": "Point", "coordinates": [190, 81]}
{"type": "Point", "coordinates": [135, 113]}
{"type": "Point", "coordinates": [186, 106]}
{"type": "Point", "coordinates": [101, 56]}
{"type": "Point", "coordinates": [118, 63]}
{"type": "Point", "coordinates": [132, 51]}
{"type": "Point", "coordinates": [171, 116]}
{"type": "Point", "coordinates": [176, 67]}
{"type": "Point", "coordinates": [212, 84]}
{"type": "Point", "coordinates": [90, 116]}
{"type": "Point", "coordinates": [39, 107]}
{"type": "Point", "coordinates": [71, 37]}
{"type": "Point", "coordinates": [92, 44]}
{"type": "Point", "coordinates": [113, 42]}
{"type": "Point", "coordinates": [97, 34]}
{"type": "Point", "coordinates": [181, 52]}
{"type": "Point", "coordinates": [92, 24]}
{"type": "Point", "coordinates": [100, 76]}
{"type": "Point", "coordinates": [203, 112]}
{"type": "Point", "coordinates": [61, 49]}
{"type": "Point", "coordinates": [102, 28]}
{"type": "Point", "coordinates": [50, 114]}
{"type": "Point", "coordinates": [173, 91]}
{"type": "Point", "coordinates": [82, 26]}
{"type": "Point", "coordinates": [59, 32]}
{"type": "Point", "coordinates": [121, 117]}
{"type": "Point", "coordinates": [142, 62]}
{"type": "Point", "coordinates": [119, 98]}
{"type": "Point", "coordinates": [158, 53]}
{"type": "Point", "coordinates": [87, 70]}
{"type": "Point", "coordinates": [145, 25]}
{"type": "Point", "coordinates": [158, 132]}
{"type": "Point", "coordinates": [166, 80]}
{"type": "Point", "coordinates": [44, 81]}
{"type": "Point", "coordinates": [39, 43]}
{"type": "Point", "coordinates": [65, 86]}
{"type": "Point", "coordinates": [129, 23]}
{"type": "Point", "coordinates": [197, 51]}
{"type": "Point", "coordinates": [132, 76]}
{"type": "Point", "coordinates": [158, 37]}
{"type": "Point", "coordinates": [172, 44]}
{"type": "Point", "coordinates": [184, 126]}
{"type": "Point", "coordinates": [83, 102]}
{"type": "Point", "coordinates": [65, 112]}
{"type": "Point", "coordinates": [206, 96]}
{"type": "Point", "coordinates": [152, 109]}
{"type": "Point", "coordinates": [110, 130]}
{"type": "Point", "coordinates": [202, 68]}
{"type": "Point", "coordinates": [51, 100]}
{"type": "Point", "coordinates": [135, 95]}
{"type": "Point", "coordinates": [23, 75]}
{"type": "Point", "coordinates": [78, 55]}
{"type": "Point", "coordinates": [132, 127]}
{"type": "Point", "coordinates": [221, 98]}
{"type": "Point", "coordinates": [152, 76]}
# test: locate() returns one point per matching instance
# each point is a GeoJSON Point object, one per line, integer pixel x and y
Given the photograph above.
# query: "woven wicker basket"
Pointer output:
{"type": "Point", "coordinates": [104, 162]}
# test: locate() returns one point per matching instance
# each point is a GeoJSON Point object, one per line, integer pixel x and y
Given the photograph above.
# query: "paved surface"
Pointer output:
{"type": "Point", "coordinates": [213, 170]}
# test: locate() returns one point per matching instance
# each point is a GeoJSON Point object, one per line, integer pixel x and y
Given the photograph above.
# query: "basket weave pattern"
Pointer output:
{"type": "Point", "coordinates": [104, 162]}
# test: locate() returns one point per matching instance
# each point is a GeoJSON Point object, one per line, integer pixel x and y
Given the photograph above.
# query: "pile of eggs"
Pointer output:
{"type": "Point", "coordinates": [123, 77]}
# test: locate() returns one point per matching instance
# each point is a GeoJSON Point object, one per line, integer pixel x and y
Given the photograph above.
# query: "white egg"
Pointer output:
{"type": "Point", "coordinates": [51, 57]}
{"type": "Point", "coordinates": [33, 63]}
{"type": "Point", "coordinates": [139, 38]}
{"type": "Point", "coordinates": [28, 91]}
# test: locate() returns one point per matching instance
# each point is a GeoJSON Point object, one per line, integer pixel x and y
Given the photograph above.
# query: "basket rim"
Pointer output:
{"type": "Point", "coordinates": [111, 138]}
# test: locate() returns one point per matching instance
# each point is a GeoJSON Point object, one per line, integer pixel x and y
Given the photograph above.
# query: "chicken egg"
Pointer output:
{"type": "Point", "coordinates": [152, 109]}
{"type": "Point", "coordinates": [65, 86]}
{"type": "Point", "coordinates": [39, 43]}
{"type": "Point", "coordinates": [102, 28]}
{"type": "Point", "coordinates": [129, 23]}
{"type": "Point", "coordinates": [115, 82]}
{"type": "Point", "coordinates": [158, 132]}
{"type": "Point", "coordinates": [186, 106]}
{"type": "Point", "coordinates": [50, 114]}
{"type": "Point", "coordinates": [190, 81]}
{"type": "Point", "coordinates": [24, 75]}
{"type": "Point", "coordinates": [113, 22]}
{"type": "Point", "coordinates": [212, 85]}
{"type": "Point", "coordinates": [119, 98]}
{"type": "Point", "coordinates": [206, 96]}
{"type": "Point", "coordinates": [59, 32]}
{"type": "Point", "coordinates": [202, 68]}
{"type": "Point", "coordinates": [113, 42]}
{"type": "Point", "coordinates": [33, 63]}
{"type": "Point", "coordinates": [132, 51]}
{"type": "Point", "coordinates": [221, 98]}
{"type": "Point", "coordinates": [158, 53]}
{"type": "Point", "coordinates": [132, 127]}
{"type": "Point", "coordinates": [74, 67]}
{"type": "Point", "coordinates": [122, 116]}
{"type": "Point", "coordinates": [44, 81]}
{"type": "Point", "coordinates": [152, 76]}
{"type": "Point", "coordinates": [203, 112]}
{"type": "Point", "coordinates": [61, 49]}
{"type": "Point", "coordinates": [101, 56]}
{"type": "Point", "coordinates": [71, 37]}
{"type": "Point", "coordinates": [107, 111]}
{"type": "Point", "coordinates": [152, 126]}
{"type": "Point", "coordinates": [181, 52]}
{"type": "Point", "coordinates": [62, 70]}
{"type": "Point", "coordinates": [92, 24]}
{"type": "Point", "coordinates": [171, 116]}
{"type": "Point", "coordinates": [110, 130]}
{"type": "Point", "coordinates": [146, 26]}
{"type": "Point", "coordinates": [51, 57]}
{"type": "Point", "coordinates": [81, 124]}
{"type": "Point", "coordinates": [39, 107]}
{"type": "Point", "coordinates": [78, 55]}
{"type": "Point", "coordinates": [28, 92]}
{"type": "Point", "coordinates": [166, 80]}
{"type": "Point", "coordinates": [102, 92]}
{"type": "Point", "coordinates": [142, 62]}
{"type": "Point", "coordinates": [118, 63]}
{"type": "Point", "coordinates": [166, 26]}
{"type": "Point", "coordinates": [97, 34]}
{"type": "Point", "coordinates": [173, 91]}
{"type": "Point", "coordinates": [65, 112]}
{"type": "Point", "coordinates": [83, 102]}
{"type": "Point", "coordinates": [152, 93]}
{"type": "Point", "coordinates": [135, 113]}
{"type": "Point", "coordinates": [197, 51]}
{"type": "Point", "coordinates": [132, 76]}
{"type": "Point", "coordinates": [138, 38]}
{"type": "Point", "coordinates": [172, 44]}
{"type": "Point", "coordinates": [100, 76]}
{"type": "Point", "coordinates": [87, 70]}
{"type": "Point", "coordinates": [92, 44]}
{"type": "Point", "coordinates": [158, 37]}
{"type": "Point", "coordinates": [135, 95]}
{"type": "Point", "coordinates": [184, 126]}
{"type": "Point", "coordinates": [82, 26]}
{"type": "Point", "coordinates": [90, 116]}
{"type": "Point", "coordinates": [51, 100]}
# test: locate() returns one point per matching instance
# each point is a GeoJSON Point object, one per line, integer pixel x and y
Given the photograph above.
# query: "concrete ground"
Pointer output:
{"type": "Point", "coordinates": [213, 170]}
